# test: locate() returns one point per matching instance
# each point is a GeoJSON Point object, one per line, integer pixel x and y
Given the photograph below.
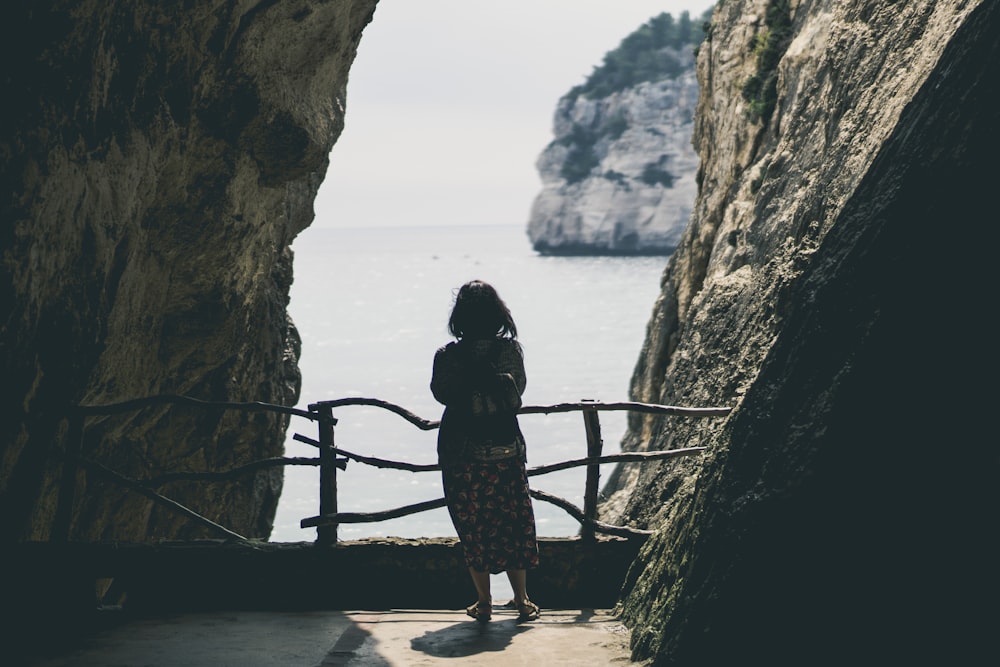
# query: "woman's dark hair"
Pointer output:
{"type": "Point", "coordinates": [479, 312]}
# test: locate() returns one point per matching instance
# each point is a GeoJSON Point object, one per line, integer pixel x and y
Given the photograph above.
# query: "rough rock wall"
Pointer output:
{"type": "Point", "coordinates": [157, 160]}
{"type": "Point", "coordinates": [638, 195]}
{"type": "Point", "coordinates": [834, 288]}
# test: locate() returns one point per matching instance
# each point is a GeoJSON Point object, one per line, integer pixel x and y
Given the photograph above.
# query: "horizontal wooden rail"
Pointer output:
{"type": "Point", "coordinates": [624, 457]}
{"type": "Point", "coordinates": [615, 458]}
{"type": "Point", "coordinates": [624, 405]}
{"type": "Point", "coordinates": [398, 512]}
{"type": "Point", "coordinates": [367, 517]}
{"type": "Point", "coordinates": [233, 473]}
{"type": "Point", "coordinates": [77, 414]}
{"type": "Point", "coordinates": [138, 403]}
{"type": "Point", "coordinates": [385, 463]}
{"type": "Point", "coordinates": [579, 515]}
{"type": "Point", "coordinates": [419, 422]}
{"type": "Point", "coordinates": [429, 425]}
{"type": "Point", "coordinates": [161, 500]}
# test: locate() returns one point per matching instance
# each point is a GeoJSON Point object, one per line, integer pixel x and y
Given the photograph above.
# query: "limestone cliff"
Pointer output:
{"type": "Point", "coordinates": [158, 159]}
{"type": "Point", "coordinates": [619, 176]}
{"type": "Point", "coordinates": [833, 288]}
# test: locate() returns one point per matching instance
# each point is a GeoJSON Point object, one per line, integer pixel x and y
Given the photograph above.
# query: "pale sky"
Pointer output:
{"type": "Point", "coordinates": [450, 102]}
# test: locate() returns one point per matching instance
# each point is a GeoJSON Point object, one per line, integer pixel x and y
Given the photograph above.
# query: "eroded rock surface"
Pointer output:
{"type": "Point", "coordinates": [158, 159]}
{"type": "Point", "coordinates": [832, 288]}
{"type": "Point", "coordinates": [638, 194]}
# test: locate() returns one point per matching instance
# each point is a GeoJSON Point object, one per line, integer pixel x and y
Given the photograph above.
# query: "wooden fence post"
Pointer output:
{"type": "Point", "coordinates": [327, 534]}
{"type": "Point", "coordinates": [592, 424]}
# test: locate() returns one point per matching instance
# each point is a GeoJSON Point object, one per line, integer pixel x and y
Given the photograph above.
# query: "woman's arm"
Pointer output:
{"type": "Point", "coordinates": [510, 376]}
{"type": "Point", "coordinates": [449, 382]}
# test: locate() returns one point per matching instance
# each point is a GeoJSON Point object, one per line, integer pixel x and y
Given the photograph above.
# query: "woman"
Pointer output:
{"type": "Point", "coordinates": [480, 378]}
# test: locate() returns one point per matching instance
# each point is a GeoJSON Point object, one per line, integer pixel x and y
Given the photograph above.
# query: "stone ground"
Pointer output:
{"type": "Point", "coordinates": [335, 638]}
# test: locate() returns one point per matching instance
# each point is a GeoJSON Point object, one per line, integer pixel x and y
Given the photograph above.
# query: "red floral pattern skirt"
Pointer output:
{"type": "Point", "coordinates": [491, 510]}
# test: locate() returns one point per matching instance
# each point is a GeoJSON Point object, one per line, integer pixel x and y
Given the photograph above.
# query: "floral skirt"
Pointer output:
{"type": "Point", "coordinates": [491, 510]}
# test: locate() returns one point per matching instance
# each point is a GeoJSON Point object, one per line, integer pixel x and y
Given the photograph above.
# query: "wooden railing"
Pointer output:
{"type": "Point", "coordinates": [331, 458]}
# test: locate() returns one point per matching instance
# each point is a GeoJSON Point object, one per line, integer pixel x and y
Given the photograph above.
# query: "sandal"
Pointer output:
{"type": "Point", "coordinates": [527, 610]}
{"type": "Point", "coordinates": [481, 611]}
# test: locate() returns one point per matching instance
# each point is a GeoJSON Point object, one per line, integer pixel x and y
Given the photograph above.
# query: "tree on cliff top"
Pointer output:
{"type": "Point", "coordinates": [648, 54]}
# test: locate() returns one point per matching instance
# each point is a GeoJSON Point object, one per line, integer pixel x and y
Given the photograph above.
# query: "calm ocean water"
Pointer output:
{"type": "Point", "coordinates": [372, 307]}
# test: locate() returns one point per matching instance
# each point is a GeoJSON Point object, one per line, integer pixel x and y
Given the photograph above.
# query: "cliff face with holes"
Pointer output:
{"type": "Point", "coordinates": [639, 185]}
{"type": "Point", "coordinates": [157, 162]}
{"type": "Point", "coordinates": [833, 287]}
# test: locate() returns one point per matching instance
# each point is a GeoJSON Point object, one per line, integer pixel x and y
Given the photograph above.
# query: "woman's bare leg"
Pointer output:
{"type": "Point", "coordinates": [526, 609]}
{"type": "Point", "coordinates": [518, 582]}
{"type": "Point", "coordinates": [482, 583]}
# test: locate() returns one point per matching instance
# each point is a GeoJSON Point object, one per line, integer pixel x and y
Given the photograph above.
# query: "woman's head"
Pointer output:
{"type": "Point", "coordinates": [479, 312]}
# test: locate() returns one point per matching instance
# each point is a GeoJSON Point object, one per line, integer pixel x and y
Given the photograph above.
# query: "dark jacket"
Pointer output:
{"type": "Point", "coordinates": [480, 383]}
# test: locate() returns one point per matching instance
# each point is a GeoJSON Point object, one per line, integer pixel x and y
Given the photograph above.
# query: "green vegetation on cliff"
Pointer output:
{"type": "Point", "coordinates": [650, 53]}
{"type": "Point", "coordinates": [645, 55]}
{"type": "Point", "coordinates": [581, 158]}
{"type": "Point", "coordinates": [761, 89]}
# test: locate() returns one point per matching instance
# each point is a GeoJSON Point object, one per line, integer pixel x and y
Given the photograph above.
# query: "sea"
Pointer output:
{"type": "Point", "coordinates": [372, 305]}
